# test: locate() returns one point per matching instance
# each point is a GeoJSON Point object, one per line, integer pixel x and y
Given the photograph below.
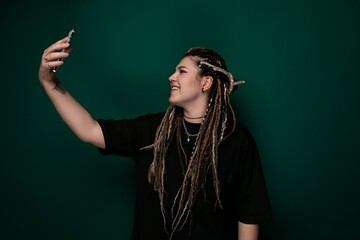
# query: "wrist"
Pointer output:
{"type": "Point", "coordinates": [53, 84]}
{"type": "Point", "coordinates": [57, 86]}
{"type": "Point", "coordinates": [48, 80]}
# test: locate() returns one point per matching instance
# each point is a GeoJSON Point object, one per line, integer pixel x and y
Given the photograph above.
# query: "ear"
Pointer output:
{"type": "Point", "coordinates": [207, 82]}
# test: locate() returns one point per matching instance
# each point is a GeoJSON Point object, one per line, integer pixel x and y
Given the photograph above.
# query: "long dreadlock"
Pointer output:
{"type": "Point", "coordinates": [204, 156]}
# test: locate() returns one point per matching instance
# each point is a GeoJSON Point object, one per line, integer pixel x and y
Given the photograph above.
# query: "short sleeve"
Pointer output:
{"type": "Point", "coordinates": [252, 202]}
{"type": "Point", "coordinates": [125, 137]}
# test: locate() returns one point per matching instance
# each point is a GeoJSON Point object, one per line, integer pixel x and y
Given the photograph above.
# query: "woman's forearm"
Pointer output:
{"type": "Point", "coordinates": [74, 115]}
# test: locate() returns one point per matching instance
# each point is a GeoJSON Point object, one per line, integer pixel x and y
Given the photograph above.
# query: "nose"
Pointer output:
{"type": "Point", "coordinates": [172, 77]}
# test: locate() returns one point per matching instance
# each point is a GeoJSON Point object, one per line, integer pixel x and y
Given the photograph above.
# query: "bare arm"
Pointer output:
{"type": "Point", "coordinates": [74, 115]}
{"type": "Point", "coordinates": [248, 231]}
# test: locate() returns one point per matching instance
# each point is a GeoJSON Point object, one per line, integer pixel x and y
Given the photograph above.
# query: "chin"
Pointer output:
{"type": "Point", "coordinates": [173, 102]}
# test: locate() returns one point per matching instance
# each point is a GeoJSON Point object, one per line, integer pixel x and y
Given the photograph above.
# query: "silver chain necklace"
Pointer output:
{"type": "Point", "coordinates": [187, 132]}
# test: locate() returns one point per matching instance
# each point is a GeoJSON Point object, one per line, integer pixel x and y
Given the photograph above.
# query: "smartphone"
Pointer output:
{"type": "Point", "coordinates": [70, 35]}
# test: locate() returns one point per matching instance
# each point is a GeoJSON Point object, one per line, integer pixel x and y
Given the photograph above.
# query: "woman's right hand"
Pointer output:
{"type": "Point", "coordinates": [53, 57]}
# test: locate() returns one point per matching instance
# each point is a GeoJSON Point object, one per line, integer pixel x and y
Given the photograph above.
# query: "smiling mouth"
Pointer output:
{"type": "Point", "coordinates": [173, 88]}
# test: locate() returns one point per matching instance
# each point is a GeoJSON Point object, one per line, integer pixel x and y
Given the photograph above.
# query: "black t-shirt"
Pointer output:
{"type": "Point", "coordinates": [242, 187]}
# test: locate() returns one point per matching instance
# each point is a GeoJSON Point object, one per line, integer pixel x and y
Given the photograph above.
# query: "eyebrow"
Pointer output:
{"type": "Point", "coordinates": [180, 67]}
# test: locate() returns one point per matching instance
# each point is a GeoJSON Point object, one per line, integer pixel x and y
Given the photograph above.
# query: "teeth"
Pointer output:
{"type": "Point", "coordinates": [174, 88]}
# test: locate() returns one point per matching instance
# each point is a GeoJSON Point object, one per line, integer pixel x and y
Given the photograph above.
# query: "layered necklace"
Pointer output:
{"type": "Point", "coordinates": [188, 135]}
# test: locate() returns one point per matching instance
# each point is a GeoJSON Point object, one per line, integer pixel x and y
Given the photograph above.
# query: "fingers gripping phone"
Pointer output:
{"type": "Point", "coordinates": [70, 35]}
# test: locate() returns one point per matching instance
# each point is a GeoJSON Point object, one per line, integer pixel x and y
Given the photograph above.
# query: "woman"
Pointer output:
{"type": "Point", "coordinates": [198, 172]}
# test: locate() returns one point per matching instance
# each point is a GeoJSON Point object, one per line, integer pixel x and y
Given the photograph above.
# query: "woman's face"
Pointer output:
{"type": "Point", "coordinates": [186, 84]}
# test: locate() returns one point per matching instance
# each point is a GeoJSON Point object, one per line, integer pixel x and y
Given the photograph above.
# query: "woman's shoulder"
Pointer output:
{"type": "Point", "coordinates": [241, 131]}
{"type": "Point", "coordinates": [151, 117]}
{"type": "Point", "coordinates": [241, 137]}
{"type": "Point", "coordinates": [147, 120]}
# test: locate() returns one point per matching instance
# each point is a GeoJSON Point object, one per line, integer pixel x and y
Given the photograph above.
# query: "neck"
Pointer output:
{"type": "Point", "coordinates": [195, 111]}
{"type": "Point", "coordinates": [194, 116]}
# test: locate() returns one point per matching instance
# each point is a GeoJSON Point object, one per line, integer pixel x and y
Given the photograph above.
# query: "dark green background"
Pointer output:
{"type": "Point", "coordinates": [301, 61]}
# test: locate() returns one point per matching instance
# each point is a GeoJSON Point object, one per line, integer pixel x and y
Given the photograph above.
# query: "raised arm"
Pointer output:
{"type": "Point", "coordinates": [74, 115]}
